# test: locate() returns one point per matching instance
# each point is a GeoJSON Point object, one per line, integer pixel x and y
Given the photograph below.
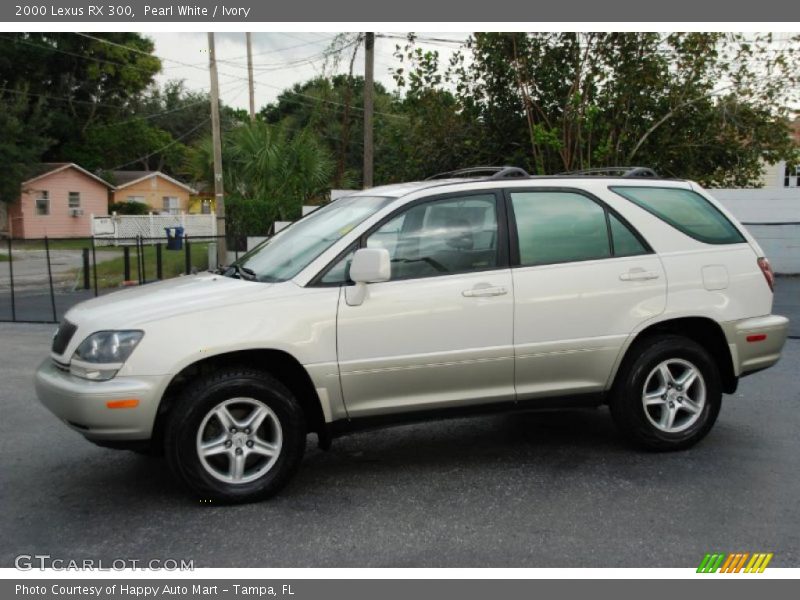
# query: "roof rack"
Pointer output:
{"type": "Point", "coordinates": [613, 172]}
{"type": "Point", "coordinates": [490, 173]}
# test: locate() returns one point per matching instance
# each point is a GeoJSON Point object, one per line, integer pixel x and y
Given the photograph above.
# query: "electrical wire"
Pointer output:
{"type": "Point", "coordinates": [160, 150]}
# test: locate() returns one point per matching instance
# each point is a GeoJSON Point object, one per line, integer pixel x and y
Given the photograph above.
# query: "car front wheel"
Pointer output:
{"type": "Point", "coordinates": [235, 436]}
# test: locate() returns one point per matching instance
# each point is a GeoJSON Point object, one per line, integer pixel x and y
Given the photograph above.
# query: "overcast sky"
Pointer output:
{"type": "Point", "coordinates": [279, 60]}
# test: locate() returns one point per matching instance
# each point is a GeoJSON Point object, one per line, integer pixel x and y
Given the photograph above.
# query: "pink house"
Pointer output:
{"type": "Point", "coordinates": [58, 202]}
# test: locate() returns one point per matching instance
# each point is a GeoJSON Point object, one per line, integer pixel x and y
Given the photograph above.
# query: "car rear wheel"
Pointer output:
{"type": "Point", "coordinates": [668, 393]}
{"type": "Point", "coordinates": [237, 435]}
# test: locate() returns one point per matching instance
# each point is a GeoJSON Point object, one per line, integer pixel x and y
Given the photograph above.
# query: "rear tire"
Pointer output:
{"type": "Point", "coordinates": [667, 394]}
{"type": "Point", "coordinates": [236, 435]}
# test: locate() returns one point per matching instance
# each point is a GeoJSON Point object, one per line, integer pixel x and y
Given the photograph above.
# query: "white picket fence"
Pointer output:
{"type": "Point", "coordinates": [125, 229]}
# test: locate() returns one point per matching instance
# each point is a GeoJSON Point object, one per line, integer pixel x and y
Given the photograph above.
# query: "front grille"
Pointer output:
{"type": "Point", "coordinates": [62, 337]}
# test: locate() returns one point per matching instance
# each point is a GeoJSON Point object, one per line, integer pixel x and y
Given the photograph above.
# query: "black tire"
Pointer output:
{"type": "Point", "coordinates": [626, 404]}
{"type": "Point", "coordinates": [202, 397]}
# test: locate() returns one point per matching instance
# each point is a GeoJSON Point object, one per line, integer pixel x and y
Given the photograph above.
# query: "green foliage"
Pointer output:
{"type": "Point", "coordinates": [77, 99]}
{"type": "Point", "coordinates": [248, 217]}
{"type": "Point", "coordinates": [80, 81]}
{"type": "Point", "coordinates": [21, 141]}
{"type": "Point", "coordinates": [707, 106]}
{"type": "Point", "coordinates": [331, 108]}
{"type": "Point", "coordinates": [129, 208]}
{"type": "Point", "coordinates": [269, 174]}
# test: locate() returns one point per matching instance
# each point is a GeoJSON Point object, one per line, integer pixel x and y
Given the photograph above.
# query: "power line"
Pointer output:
{"type": "Point", "coordinates": [59, 98]}
{"type": "Point", "coordinates": [160, 150]}
{"type": "Point", "coordinates": [159, 114]}
{"type": "Point", "coordinates": [150, 116]}
{"type": "Point", "coordinates": [276, 50]}
{"type": "Point", "coordinates": [318, 99]}
{"type": "Point", "coordinates": [278, 66]}
{"type": "Point", "coordinates": [315, 98]}
{"type": "Point", "coordinates": [20, 40]}
{"type": "Point", "coordinates": [138, 51]}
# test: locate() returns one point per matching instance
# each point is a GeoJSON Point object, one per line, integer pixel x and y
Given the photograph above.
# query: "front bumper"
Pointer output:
{"type": "Point", "coordinates": [81, 404]}
{"type": "Point", "coordinates": [756, 343]}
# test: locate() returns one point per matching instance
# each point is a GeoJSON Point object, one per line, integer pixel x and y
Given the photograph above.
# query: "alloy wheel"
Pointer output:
{"type": "Point", "coordinates": [239, 440]}
{"type": "Point", "coordinates": [674, 395]}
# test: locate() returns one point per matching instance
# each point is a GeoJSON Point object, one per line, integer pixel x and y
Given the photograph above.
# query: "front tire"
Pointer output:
{"type": "Point", "coordinates": [667, 394]}
{"type": "Point", "coordinates": [236, 435]}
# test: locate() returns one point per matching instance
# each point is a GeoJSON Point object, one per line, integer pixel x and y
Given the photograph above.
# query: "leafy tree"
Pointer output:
{"type": "Point", "coordinates": [21, 142]}
{"type": "Point", "coordinates": [433, 134]}
{"type": "Point", "coordinates": [705, 105]}
{"type": "Point", "coordinates": [332, 108]}
{"type": "Point", "coordinates": [80, 80]}
{"type": "Point", "coordinates": [269, 173]}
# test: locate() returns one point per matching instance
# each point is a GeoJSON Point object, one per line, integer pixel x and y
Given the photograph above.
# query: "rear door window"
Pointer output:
{"type": "Point", "coordinates": [557, 227]}
{"type": "Point", "coordinates": [685, 210]}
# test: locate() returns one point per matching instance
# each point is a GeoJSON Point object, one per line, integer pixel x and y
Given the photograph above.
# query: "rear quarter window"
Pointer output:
{"type": "Point", "coordinates": [685, 210]}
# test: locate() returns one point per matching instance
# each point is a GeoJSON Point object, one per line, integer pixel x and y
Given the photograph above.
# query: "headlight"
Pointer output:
{"type": "Point", "coordinates": [102, 354]}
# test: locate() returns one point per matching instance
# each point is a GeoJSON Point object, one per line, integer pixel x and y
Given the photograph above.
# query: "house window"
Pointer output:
{"type": "Point", "coordinates": [135, 199]}
{"type": "Point", "coordinates": [43, 203]}
{"type": "Point", "coordinates": [205, 207]}
{"type": "Point", "coordinates": [74, 200]}
{"type": "Point", "coordinates": [792, 177]}
{"type": "Point", "coordinates": [171, 205]}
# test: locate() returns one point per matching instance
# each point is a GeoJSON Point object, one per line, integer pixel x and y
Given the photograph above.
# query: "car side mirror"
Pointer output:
{"type": "Point", "coordinates": [370, 265]}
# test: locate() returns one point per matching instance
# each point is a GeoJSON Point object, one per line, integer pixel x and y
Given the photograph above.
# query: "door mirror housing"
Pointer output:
{"type": "Point", "coordinates": [370, 265]}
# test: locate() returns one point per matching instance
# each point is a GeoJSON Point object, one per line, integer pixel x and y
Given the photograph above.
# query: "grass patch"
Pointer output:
{"type": "Point", "coordinates": [111, 273]}
{"type": "Point", "coordinates": [3, 257]}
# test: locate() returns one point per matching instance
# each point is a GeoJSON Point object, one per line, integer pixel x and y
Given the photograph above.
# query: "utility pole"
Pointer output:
{"type": "Point", "coordinates": [369, 72]}
{"type": "Point", "coordinates": [250, 76]}
{"type": "Point", "coordinates": [219, 191]}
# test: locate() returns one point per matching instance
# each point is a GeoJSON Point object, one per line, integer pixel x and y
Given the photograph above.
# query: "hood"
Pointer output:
{"type": "Point", "coordinates": [135, 306]}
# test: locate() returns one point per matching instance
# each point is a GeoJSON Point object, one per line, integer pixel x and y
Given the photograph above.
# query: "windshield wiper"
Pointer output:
{"type": "Point", "coordinates": [238, 272]}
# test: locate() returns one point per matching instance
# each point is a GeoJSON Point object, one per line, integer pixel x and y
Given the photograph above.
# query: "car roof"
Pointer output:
{"type": "Point", "coordinates": [398, 190]}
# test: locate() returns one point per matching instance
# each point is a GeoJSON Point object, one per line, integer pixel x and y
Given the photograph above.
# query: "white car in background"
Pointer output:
{"type": "Point", "coordinates": [482, 290]}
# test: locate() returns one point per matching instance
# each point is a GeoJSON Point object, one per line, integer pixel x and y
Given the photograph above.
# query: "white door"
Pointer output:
{"type": "Point", "coordinates": [440, 332]}
{"type": "Point", "coordinates": [585, 281]}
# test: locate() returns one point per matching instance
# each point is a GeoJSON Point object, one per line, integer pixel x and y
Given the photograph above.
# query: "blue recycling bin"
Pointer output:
{"type": "Point", "coordinates": [174, 238]}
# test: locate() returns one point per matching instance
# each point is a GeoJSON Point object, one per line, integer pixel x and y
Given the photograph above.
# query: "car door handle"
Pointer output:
{"type": "Point", "coordinates": [638, 275]}
{"type": "Point", "coordinates": [482, 291]}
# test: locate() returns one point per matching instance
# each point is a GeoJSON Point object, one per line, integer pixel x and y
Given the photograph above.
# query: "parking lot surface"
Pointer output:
{"type": "Point", "coordinates": [548, 489]}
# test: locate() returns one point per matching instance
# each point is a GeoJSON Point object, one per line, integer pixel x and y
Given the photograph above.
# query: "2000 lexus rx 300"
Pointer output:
{"type": "Point", "coordinates": [420, 300]}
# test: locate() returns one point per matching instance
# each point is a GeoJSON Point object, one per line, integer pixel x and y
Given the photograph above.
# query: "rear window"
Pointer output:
{"type": "Point", "coordinates": [686, 211]}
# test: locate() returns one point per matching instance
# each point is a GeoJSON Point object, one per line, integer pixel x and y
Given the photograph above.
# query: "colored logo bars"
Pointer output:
{"type": "Point", "coordinates": [735, 562]}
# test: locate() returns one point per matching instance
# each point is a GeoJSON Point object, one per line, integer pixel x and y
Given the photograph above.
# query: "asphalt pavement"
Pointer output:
{"type": "Point", "coordinates": [550, 489]}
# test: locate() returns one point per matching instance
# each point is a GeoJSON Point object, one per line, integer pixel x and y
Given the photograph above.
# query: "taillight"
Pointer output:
{"type": "Point", "coordinates": [766, 269]}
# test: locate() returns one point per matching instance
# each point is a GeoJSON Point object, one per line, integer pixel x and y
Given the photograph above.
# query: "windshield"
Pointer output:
{"type": "Point", "coordinates": [287, 253]}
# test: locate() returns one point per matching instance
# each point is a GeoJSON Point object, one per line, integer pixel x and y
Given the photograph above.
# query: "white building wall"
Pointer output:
{"type": "Point", "coordinates": [772, 215]}
{"type": "Point", "coordinates": [773, 175]}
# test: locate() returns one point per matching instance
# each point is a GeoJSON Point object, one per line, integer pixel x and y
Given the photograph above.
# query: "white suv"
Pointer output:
{"type": "Point", "coordinates": [425, 300]}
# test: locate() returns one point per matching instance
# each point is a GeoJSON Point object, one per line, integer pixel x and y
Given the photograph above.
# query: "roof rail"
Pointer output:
{"type": "Point", "coordinates": [491, 173]}
{"type": "Point", "coordinates": [613, 172]}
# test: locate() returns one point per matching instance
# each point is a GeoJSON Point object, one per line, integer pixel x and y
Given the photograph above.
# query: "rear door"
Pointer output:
{"type": "Point", "coordinates": [584, 279]}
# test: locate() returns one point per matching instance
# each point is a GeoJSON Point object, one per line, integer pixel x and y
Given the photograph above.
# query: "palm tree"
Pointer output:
{"type": "Point", "coordinates": [265, 163]}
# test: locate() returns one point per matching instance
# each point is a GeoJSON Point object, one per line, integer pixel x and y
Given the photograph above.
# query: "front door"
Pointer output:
{"type": "Point", "coordinates": [439, 333]}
